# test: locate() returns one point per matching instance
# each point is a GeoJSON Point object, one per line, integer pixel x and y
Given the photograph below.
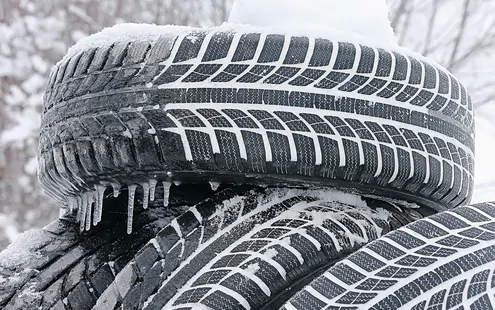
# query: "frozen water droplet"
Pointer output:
{"type": "Point", "coordinates": [116, 190]}
{"type": "Point", "coordinates": [100, 191]}
{"type": "Point", "coordinates": [152, 189]}
{"type": "Point", "coordinates": [130, 207]}
{"type": "Point", "coordinates": [90, 199]}
{"type": "Point", "coordinates": [166, 192]}
{"type": "Point", "coordinates": [71, 203]}
{"type": "Point", "coordinates": [214, 186]}
{"type": "Point", "coordinates": [84, 206]}
{"type": "Point", "coordinates": [177, 183]}
{"type": "Point", "coordinates": [78, 206]}
{"type": "Point", "coordinates": [146, 194]}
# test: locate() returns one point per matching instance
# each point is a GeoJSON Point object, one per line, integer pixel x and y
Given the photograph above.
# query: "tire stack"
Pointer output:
{"type": "Point", "coordinates": [205, 158]}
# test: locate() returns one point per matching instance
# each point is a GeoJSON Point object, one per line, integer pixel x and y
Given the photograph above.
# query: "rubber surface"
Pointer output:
{"type": "Point", "coordinates": [446, 261]}
{"type": "Point", "coordinates": [244, 252]}
{"type": "Point", "coordinates": [227, 104]}
{"type": "Point", "coordinates": [59, 268]}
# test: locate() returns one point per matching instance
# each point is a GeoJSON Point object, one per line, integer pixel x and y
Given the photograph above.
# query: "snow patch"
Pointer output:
{"type": "Point", "coordinates": [126, 32]}
{"type": "Point", "coordinates": [201, 307]}
{"type": "Point", "coordinates": [214, 185]}
{"type": "Point", "coordinates": [270, 253]}
{"type": "Point", "coordinates": [253, 268]}
{"type": "Point", "coordinates": [127, 134]}
{"type": "Point", "coordinates": [367, 18]}
{"type": "Point", "coordinates": [361, 26]}
{"type": "Point", "coordinates": [379, 213]}
{"type": "Point", "coordinates": [29, 298]}
{"type": "Point", "coordinates": [23, 251]}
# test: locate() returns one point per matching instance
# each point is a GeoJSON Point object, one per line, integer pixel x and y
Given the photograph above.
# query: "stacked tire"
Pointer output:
{"type": "Point", "coordinates": [195, 105]}
{"type": "Point", "coordinates": [160, 115]}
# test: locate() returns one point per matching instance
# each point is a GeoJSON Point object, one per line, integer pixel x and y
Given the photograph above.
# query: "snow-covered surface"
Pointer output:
{"type": "Point", "coordinates": [363, 17]}
{"type": "Point", "coordinates": [23, 250]}
{"type": "Point", "coordinates": [253, 268]}
{"type": "Point", "coordinates": [330, 204]}
{"type": "Point", "coordinates": [128, 32]}
{"type": "Point", "coordinates": [124, 33]}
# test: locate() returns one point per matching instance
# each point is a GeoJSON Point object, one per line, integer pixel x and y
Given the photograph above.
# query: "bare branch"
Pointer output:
{"type": "Point", "coordinates": [460, 34]}
{"type": "Point", "coordinates": [399, 13]}
{"type": "Point", "coordinates": [431, 27]}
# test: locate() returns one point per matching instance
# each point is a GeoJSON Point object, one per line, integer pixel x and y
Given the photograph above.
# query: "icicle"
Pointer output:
{"type": "Point", "coordinates": [84, 205]}
{"type": "Point", "coordinates": [71, 204]}
{"type": "Point", "coordinates": [177, 183]}
{"type": "Point", "coordinates": [100, 191]}
{"type": "Point", "coordinates": [146, 194]}
{"type": "Point", "coordinates": [152, 189]}
{"type": "Point", "coordinates": [214, 186]}
{"type": "Point", "coordinates": [116, 190]}
{"type": "Point", "coordinates": [89, 209]}
{"type": "Point", "coordinates": [78, 206]}
{"type": "Point", "coordinates": [130, 207]}
{"type": "Point", "coordinates": [166, 192]}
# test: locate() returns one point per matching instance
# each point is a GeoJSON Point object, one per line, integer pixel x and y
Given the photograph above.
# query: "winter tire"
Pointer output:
{"type": "Point", "coordinates": [250, 251]}
{"type": "Point", "coordinates": [58, 268]}
{"type": "Point", "coordinates": [230, 105]}
{"type": "Point", "coordinates": [446, 261]}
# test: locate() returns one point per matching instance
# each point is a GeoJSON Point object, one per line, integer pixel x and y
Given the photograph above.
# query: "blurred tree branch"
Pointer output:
{"type": "Point", "coordinates": [458, 34]}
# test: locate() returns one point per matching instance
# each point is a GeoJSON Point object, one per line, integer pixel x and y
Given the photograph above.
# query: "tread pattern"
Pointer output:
{"type": "Point", "coordinates": [233, 103]}
{"type": "Point", "coordinates": [240, 254]}
{"type": "Point", "coordinates": [67, 270]}
{"type": "Point", "coordinates": [446, 261]}
{"type": "Point", "coordinates": [322, 63]}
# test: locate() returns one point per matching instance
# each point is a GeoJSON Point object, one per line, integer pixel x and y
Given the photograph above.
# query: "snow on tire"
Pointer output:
{"type": "Point", "coordinates": [58, 268]}
{"type": "Point", "coordinates": [229, 105]}
{"type": "Point", "coordinates": [446, 261]}
{"type": "Point", "coordinates": [248, 251]}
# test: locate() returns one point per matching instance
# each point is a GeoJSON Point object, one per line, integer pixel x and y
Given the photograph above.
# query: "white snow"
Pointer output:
{"type": "Point", "coordinates": [368, 24]}
{"type": "Point", "coordinates": [124, 33]}
{"type": "Point", "coordinates": [363, 17]}
{"type": "Point", "coordinates": [23, 250]}
{"type": "Point", "coordinates": [214, 185]}
{"type": "Point", "coordinates": [199, 306]}
{"type": "Point", "coordinates": [116, 189]}
{"type": "Point", "coordinates": [253, 268]}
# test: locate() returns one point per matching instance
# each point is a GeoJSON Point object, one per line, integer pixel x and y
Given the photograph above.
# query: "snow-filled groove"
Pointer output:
{"type": "Point", "coordinates": [302, 113]}
{"type": "Point", "coordinates": [195, 62]}
{"type": "Point", "coordinates": [193, 107]}
{"type": "Point", "coordinates": [320, 106]}
{"type": "Point", "coordinates": [252, 245]}
{"type": "Point", "coordinates": [447, 260]}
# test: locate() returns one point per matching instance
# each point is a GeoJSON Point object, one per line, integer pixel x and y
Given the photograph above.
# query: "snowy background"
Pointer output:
{"type": "Point", "coordinates": [34, 34]}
